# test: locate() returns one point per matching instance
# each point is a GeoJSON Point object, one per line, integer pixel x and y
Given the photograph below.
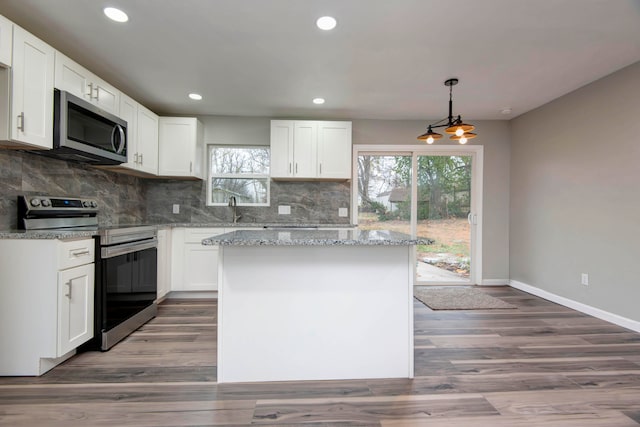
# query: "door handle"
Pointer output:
{"type": "Point", "coordinates": [21, 122]}
{"type": "Point", "coordinates": [68, 295]}
{"type": "Point", "coordinates": [122, 143]}
{"type": "Point", "coordinates": [469, 219]}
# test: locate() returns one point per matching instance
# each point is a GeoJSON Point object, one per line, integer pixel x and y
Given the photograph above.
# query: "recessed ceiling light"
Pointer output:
{"type": "Point", "coordinates": [318, 101]}
{"type": "Point", "coordinates": [116, 14]}
{"type": "Point", "coordinates": [506, 111]}
{"type": "Point", "coordinates": [195, 96]}
{"type": "Point", "coordinates": [326, 23]}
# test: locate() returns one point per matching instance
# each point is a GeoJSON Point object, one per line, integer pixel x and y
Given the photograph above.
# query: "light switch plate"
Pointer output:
{"type": "Point", "coordinates": [176, 209]}
{"type": "Point", "coordinates": [343, 212]}
{"type": "Point", "coordinates": [284, 210]}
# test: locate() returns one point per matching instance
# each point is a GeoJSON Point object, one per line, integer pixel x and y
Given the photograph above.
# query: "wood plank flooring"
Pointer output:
{"type": "Point", "coordinates": [541, 364]}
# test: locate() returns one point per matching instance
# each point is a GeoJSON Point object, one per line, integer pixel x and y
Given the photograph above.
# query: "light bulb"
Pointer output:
{"type": "Point", "coordinates": [463, 140]}
{"type": "Point", "coordinates": [460, 132]}
{"type": "Point", "coordinates": [430, 140]}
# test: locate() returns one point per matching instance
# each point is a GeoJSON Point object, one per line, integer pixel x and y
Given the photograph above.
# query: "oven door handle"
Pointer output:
{"type": "Point", "coordinates": [127, 248]}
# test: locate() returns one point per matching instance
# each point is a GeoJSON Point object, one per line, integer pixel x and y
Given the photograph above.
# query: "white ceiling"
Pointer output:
{"type": "Point", "coordinates": [387, 59]}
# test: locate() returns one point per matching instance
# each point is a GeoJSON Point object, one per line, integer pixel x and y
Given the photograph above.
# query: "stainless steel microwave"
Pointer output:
{"type": "Point", "coordinates": [86, 133]}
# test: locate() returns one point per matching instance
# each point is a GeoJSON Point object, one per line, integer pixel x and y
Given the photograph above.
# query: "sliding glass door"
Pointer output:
{"type": "Point", "coordinates": [429, 193]}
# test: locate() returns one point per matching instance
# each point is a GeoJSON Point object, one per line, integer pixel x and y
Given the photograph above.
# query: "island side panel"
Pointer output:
{"type": "Point", "coordinates": [314, 313]}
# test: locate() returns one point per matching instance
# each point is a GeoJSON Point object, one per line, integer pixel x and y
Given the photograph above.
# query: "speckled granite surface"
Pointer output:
{"type": "Point", "coordinates": [47, 234]}
{"type": "Point", "coordinates": [75, 234]}
{"type": "Point", "coordinates": [293, 237]}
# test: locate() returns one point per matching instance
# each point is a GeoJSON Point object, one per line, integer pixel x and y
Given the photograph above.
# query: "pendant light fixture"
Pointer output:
{"type": "Point", "coordinates": [459, 130]}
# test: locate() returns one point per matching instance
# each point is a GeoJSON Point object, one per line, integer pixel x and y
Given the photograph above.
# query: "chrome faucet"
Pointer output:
{"type": "Point", "coordinates": [233, 204]}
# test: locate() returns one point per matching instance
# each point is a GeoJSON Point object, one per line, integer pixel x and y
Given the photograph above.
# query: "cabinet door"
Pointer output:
{"type": "Point", "coordinates": [129, 113]}
{"type": "Point", "coordinates": [32, 100]}
{"type": "Point", "coordinates": [281, 148]}
{"type": "Point", "coordinates": [177, 146]}
{"type": "Point", "coordinates": [72, 77]}
{"type": "Point", "coordinates": [6, 41]}
{"type": "Point", "coordinates": [147, 141]}
{"type": "Point", "coordinates": [200, 267]}
{"type": "Point", "coordinates": [105, 96]}
{"type": "Point", "coordinates": [334, 150]}
{"type": "Point", "coordinates": [75, 307]}
{"type": "Point", "coordinates": [305, 147]}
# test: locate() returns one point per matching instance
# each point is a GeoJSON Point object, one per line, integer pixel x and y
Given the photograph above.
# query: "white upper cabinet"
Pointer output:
{"type": "Point", "coordinates": [129, 113]}
{"type": "Point", "coordinates": [26, 112]}
{"type": "Point", "coordinates": [181, 144]}
{"type": "Point", "coordinates": [147, 141]}
{"type": "Point", "coordinates": [310, 149]}
{"type": "Point", "coordinates": [6, 41]}
{"type": "Point", "coordinates": [76, 79]}
{"type": "Point", "coordinates": [281, 148]}
{"type": "Point", "coordinates": [334, 150]}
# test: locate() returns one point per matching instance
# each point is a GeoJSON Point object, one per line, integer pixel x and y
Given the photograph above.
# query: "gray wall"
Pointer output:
{"type": "Point", "coordinates": [494, 136]}
{"type": "Point", "coordinates": [575, 195]}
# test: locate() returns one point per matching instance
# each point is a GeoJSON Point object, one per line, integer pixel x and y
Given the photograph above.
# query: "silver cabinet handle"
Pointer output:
{"type": "Point", "coordinates": [296, 167]}
{"type": "Point", "coordinates": [135, 158]}
{"type": "Point", "coordinates": [320, 168]}
{"type": "Point", "coordinates": [290, 167]}
{"type": "Point", "coordinates": [21, 122]}
{"type": "Point", "coordinates": [90, 91]}
{"type": "Point", "coordinates": [97, 90]}
{"type": "Point", "coordinates": [70, 288]}
{"type": "Point", "coordinates": [81, 253]}
{"type": "Point", "coordinates": [141, 159]}
{"type": "Point", "coordinates": [190, 167]}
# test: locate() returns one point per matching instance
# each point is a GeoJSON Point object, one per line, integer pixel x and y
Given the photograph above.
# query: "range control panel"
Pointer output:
{"type": "Point", "coordinates": [44, 204]}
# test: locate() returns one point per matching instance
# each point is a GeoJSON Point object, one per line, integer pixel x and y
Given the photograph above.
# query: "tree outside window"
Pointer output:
{"type": "Point", "coordinates": [239, 171]}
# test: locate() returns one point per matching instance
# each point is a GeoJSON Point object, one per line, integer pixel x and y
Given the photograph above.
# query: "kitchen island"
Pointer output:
{"type": "Point", "coordinates": [314, 304]}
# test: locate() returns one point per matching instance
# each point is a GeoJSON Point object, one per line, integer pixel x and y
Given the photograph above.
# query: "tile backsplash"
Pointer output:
{"type": "Point", "coordinates": [126, 199]}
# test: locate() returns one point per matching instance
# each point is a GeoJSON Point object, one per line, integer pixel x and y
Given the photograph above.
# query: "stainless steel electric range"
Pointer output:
{"type": "Point", "coordinates": [125, 265]}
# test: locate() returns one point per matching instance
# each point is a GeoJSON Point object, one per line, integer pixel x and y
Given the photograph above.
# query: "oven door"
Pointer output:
{"type": "Point", "coordinates": [129, 284]}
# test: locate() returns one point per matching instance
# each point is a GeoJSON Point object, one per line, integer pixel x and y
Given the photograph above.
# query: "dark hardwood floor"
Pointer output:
{"type": "Point", "coordinates": [540, 364]}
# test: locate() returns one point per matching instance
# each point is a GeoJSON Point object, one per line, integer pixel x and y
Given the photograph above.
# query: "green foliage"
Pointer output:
{"type": "Point", "coordinates": [443, 185]}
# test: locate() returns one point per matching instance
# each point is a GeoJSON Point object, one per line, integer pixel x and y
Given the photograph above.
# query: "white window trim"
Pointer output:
{"type": "Point", "coordinates": [266, 176]}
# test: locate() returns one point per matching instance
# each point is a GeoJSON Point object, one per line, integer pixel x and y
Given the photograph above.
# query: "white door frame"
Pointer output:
{"type": "Point", "coordinates": [477, 154]}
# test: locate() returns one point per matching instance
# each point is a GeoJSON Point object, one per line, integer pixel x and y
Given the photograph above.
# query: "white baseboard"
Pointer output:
{"type": "Point", "coordinates": [634, 325]}
{"type": "Point", "coordinates": [494, 282]}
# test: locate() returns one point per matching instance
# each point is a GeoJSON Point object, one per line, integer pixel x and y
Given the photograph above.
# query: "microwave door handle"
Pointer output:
{"type": "Point", "coordinates": [121, 133]}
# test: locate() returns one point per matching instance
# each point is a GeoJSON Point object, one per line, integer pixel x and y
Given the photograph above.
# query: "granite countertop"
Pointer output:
{"type": "Point", "coordinates": [48, 234]}
{"type": "Point", "coordinates": [293, 237]}
{"type": "Point", "coordinates": [90, 232]}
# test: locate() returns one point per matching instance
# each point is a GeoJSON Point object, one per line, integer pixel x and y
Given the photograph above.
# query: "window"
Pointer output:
{"type": "Point", "coordinates": [239, 171]}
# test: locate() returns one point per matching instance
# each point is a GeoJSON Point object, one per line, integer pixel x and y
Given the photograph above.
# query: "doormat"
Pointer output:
{"type": "Point", "coordinates": [457, 299]}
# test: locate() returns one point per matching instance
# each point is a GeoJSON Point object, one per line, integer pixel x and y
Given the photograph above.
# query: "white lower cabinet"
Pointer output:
{"type": "Point", "coordinates": [194, 267]}
{"type": "Point", "coordinates": [47, 298]}
{"type": "Point", "coordinates": [75, 307]}
{"type": "Point", "coordinates": [164, 262]}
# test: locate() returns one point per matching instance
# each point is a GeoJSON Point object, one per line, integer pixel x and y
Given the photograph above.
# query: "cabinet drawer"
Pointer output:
{"type": "Point", "coordinates": [196, 235]}
{"type": "Point", "coordinates": [75, 252]}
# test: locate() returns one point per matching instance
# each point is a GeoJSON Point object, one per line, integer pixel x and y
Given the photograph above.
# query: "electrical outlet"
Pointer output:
{"type": "Point", "coordinates": [284, 210]}
{"type": "Point", "coordinates": [176, 209]}
{"type": "Point", "coordinates": [343, 212]}
{"type": "Point", "coordinates": [584, 279]}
